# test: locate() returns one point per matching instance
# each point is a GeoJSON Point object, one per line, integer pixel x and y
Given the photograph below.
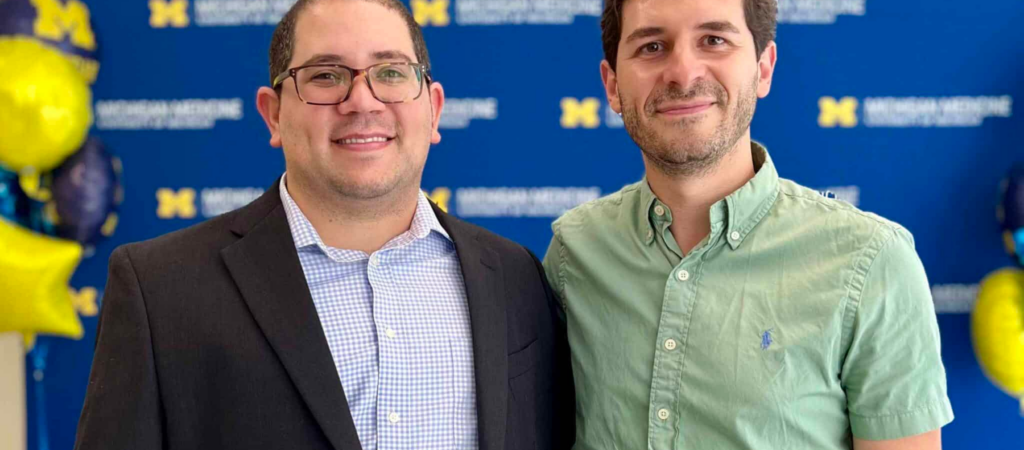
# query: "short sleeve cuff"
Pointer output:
{"type": "Point", "coordinates": [896, 426]}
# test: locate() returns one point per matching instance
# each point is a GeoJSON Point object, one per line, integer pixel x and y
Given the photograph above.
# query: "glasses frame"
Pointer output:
{"type": "Point", "coordinates": [291, 73]}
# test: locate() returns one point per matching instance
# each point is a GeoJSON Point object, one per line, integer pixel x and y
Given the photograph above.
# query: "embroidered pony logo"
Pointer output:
{"type": "Point", "coordinates": [766, 339]}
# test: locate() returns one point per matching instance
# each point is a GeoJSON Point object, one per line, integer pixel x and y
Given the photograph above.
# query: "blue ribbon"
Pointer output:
{"type": "Point", "coordinates": [38, 358]}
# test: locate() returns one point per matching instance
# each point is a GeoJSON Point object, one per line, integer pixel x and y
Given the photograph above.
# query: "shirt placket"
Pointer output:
{"type": "Point", "coordinates": [670, 348]}
{"type": "Point", "coordinates": [388, 411]}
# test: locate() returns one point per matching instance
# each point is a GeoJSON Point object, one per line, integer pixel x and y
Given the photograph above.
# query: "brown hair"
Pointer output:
{"type": "Point", "coordinates": [282, 44]}
{"type": "Point", "coordinates": [760, 16]}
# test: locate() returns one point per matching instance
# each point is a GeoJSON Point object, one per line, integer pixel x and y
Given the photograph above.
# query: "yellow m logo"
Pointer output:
{"type": "Point", "coordinates": [580, 113]}
{"type": "Point", "coordinates": [110, 224]}
{"type": "Point", "coordinates": [173, 204]}
{"type": "Point", "coordinates": [168, 13]}
{"type": "Point", "coordinates": [84, 301]}
{"type": "Point", "coordinates": [431, 12]}
{"type": "Point", "coordinates": [442, 196]}
{"type": "Point", "coordinates": [55, 20]}
{"type": "Point", "coordinates": [842, 112]}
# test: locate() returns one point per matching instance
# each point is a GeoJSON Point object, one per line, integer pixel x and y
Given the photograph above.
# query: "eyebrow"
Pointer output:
{"type": "Point", "coordinates": [330, 58]}
{"type": "Point", "coordinates": [720, 27]}
{"type": "Point", "coordinates": [322, 58]}
{"type": "Point", "coordinates": [644, 32]}
{"type": "Point", "coordinates": [717, 26]}
{"type": "Point", "coordinates": [391, 54]}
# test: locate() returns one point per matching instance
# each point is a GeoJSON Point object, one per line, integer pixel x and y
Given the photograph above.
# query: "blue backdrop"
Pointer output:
{"type": "Point", "coordinates": [903, 107]}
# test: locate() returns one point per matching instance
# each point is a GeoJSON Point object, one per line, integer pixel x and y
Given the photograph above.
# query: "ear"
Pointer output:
{"type": "Point", "coordinates": [268, 103]}
{"type": "Point", "coordinates": [766, 68]}
{"type": "Point", "coordinates": [611, 86]}
{"type": "Point", "coordinates": [436, 92]}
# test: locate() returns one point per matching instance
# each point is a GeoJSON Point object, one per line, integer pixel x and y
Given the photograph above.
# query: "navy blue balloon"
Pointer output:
{"type": "Point", "coordinates": [86, 193]}
{"type": "Point", "coordinates": [1011, 211]}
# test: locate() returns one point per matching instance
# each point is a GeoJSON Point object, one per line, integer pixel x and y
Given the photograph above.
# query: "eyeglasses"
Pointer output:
{"type": "Point", "coordinates": [331, 84]}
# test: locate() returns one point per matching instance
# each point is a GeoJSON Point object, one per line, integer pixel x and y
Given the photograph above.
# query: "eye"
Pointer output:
{"type": "Point", "coordinates": [715, 41]}
{"type": "Point", "coordinates": [651, 47]}
{"type": "Point", "coordinates": [325, 76]}
{"type": "Point", "coordinates": [392, 75]}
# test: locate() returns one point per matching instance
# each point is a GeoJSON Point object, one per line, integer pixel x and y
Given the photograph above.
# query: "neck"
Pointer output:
{"type": "Point", "coordinates": [353, 223]}
{"type": "Point", "coordinates": [690, 197]}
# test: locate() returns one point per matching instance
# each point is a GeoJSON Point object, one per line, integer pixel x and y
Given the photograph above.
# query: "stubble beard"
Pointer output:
{"type": "Point", "coordinates": [690, 156]}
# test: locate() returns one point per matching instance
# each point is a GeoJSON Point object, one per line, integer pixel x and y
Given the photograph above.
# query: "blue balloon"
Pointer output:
{"type": "Point", "coordinates": [1011, 212]}
{"type": "Point", "coordinates": [86, 191]}
{"type": "Point", "coordinates": [15, 206]}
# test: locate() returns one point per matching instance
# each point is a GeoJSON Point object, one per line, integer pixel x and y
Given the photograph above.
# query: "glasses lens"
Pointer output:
{"type": "Point", "coordinates": [323, 84]}
{"type": "Point", "coordinates": [395, 82]}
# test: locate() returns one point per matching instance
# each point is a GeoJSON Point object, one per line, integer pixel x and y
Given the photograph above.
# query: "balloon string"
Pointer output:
{"type": "Point", "coordinates": [38, 355]}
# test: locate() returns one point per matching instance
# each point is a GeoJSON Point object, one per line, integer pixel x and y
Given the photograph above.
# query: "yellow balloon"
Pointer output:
{"type": "Point", "coordinates": [34, 274]}
{"type": "Point", "coordinates": [45, 106]}
{"type": "Point", "coordinates": [997, 329]}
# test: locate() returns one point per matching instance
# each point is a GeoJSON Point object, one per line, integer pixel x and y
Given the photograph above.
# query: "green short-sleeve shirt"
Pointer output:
{"type": "Point", "coordinates": [798, 323]}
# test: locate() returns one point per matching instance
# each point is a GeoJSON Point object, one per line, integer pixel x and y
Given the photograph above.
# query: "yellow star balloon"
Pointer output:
{"type": "Point", "coordinates": [34, 274]}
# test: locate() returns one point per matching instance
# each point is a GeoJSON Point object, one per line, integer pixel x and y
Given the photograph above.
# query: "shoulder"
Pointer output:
{"type": "Point", "coordinates": [806, 208]}
{"type": "Point", "coordinates": [608, 213]}
{"type": "Point", "coordinates": [506, 249]}
{"type": "Point", "coordinates": [178, 247]}
{"type": "Point", "coordinates": [194, 245]}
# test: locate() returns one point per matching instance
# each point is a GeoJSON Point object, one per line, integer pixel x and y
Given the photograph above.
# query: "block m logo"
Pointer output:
{"type": "Point", "coordinates": [171, 204]}
{"type": "Point", "coordinates": [55, 20]}
{"type": "Point", "coordinates": [85, 301]}
{"type": "Point", "coordinates": [168, 13]}
{"type": "Point", "coordinates": [431, 12]}
{"type": "Point", "coordinates": [442, 196]}
{"type": "Point", "coordinates": [842, 112]}
{"type": "Point", "coordinates": [583, 113]}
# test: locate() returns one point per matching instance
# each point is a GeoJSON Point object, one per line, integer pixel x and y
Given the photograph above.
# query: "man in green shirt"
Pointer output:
{"type": "Point", "coordinates": [714, 305]}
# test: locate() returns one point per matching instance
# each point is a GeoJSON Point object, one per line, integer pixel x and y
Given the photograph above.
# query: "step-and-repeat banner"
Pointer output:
{"type": "Point", "coordinates": [904, 108]}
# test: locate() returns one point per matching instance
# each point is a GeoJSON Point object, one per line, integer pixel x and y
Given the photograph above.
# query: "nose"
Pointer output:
{"type": "Point", "coordinates": [684, 66]}
{"type": "Point", "coordinates": [360, 99]}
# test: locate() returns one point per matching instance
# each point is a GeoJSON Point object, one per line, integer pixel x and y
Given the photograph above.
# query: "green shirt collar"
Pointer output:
{"type": "Point", "coordinates": [740, 211]}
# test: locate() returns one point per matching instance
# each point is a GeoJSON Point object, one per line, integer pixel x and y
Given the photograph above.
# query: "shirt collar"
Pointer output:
{"type": "Point", "coordinates": [423, 222]}
{"type": "Point", "coordinates": [740, 211]}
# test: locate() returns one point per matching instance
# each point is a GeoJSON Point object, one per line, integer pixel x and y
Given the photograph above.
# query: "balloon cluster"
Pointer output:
{"type": "Point", "coordinates": [1011, 213]}
{"type": "Point", "coordinates": [997, 322]}
{"type": "Point", "coordinates": [59, 188]}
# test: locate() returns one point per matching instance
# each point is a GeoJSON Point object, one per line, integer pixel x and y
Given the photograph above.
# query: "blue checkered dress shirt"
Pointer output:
{"type": "Point", "coordinates": [397, 323]}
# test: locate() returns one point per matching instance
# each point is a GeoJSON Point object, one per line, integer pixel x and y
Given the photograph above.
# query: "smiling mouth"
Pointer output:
{"type": "Point", "coordinates": [370, 140]}
{"type": "Point", "coordinates": [685, 110]}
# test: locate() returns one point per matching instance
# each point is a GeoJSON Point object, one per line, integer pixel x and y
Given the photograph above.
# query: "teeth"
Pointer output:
{"type": "Point", "coordinates": [363, 141]}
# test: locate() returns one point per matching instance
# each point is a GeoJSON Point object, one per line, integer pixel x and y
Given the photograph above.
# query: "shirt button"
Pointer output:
{"type": "Point", "coordinates": [670, 344]}
{"type": "Point", "coordinates": [393, 417]}
{"type": "Point", "coordinates": [683, 275]}
{"type": "Point", "coordinates": [374, 260]}
{"type": "Point", "coordinates": [390, 333]}
{"type": "Point", "coordinates": [659, 210]}
{"type": "Point", "coordinates": [662, 414]}
{"type": "Point", "coordinates": [735, 236]}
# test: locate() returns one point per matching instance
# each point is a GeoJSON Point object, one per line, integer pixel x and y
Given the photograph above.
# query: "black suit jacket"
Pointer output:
{"type": "Point", "coordinates": [208, 339]}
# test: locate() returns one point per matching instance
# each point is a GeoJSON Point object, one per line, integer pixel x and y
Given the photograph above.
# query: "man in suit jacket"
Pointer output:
{"type": "Point", "coordinates": [341, 310]}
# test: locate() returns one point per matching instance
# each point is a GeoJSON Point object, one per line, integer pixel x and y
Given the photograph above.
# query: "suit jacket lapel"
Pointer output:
{"type": "Point", "coordinates": [266, 268]}
{"type": "Point", "coordinates": [485, 291]}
